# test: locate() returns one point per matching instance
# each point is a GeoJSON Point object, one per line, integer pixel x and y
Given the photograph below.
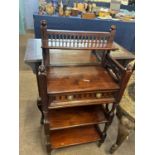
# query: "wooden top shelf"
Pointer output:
{"type": "Point", "coordinates": [76, 79]}
{"type": "Point", "coordinates": [76, 116]}
{"type": "Point", "coordinates": [34, 52]}
{"type": "Point", "coordinates": [72, 57]}
{"type": "Point", "coordinates": [74, 136]}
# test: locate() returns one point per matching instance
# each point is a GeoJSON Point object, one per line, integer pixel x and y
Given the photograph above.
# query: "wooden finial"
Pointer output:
{"type": "Point", "coordinates": [113, 27]}
{"type": "Point", "coordinates": [41, 68]}
{"type": "Point", "coordinates": [44, 23]}
{"type": "Point", "coordinates": [44, 35]}
{"type": "Point", "coordinates": [112, 33]}
{"type": "Point", "coordinates": [131, 66]}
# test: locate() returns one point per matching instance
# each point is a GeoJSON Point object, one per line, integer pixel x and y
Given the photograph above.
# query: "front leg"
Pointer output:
{"type": "Point", "coordinates": [39, 104]}
{"type": "Point", "coordinates": [104, 133]}
{"type": "Point", "coordinates": [110, 114]}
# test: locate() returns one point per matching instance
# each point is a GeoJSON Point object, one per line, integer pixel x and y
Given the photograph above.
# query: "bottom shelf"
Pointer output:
{"type": "Point", "coordinates": [74, 136]}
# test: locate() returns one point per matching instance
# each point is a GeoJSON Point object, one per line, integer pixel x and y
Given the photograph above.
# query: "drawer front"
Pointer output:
{"type": "Point", "coordinates": [82, 96]}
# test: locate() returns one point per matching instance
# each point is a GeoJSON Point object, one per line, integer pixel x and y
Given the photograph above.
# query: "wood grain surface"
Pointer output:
{"type": "Point", "coordinates": [75, 79]}
{"type": "Point", "coordinates": [74, 136]}
{"type": "Point", "coordinates": [76, 116]}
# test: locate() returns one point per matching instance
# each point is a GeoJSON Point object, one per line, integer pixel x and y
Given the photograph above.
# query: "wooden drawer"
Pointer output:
{"type": "Point", "coordinates": [81, 98]}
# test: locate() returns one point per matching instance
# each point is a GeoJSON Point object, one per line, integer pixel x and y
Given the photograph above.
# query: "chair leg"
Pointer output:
{"type": "Point", "coordinates": [39, 104]}
{"type": "Point", "coordinates": [124, 128]}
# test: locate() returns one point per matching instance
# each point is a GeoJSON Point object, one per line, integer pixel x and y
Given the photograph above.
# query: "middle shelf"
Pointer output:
{"type": "Point", "coordinates": [76, 116]}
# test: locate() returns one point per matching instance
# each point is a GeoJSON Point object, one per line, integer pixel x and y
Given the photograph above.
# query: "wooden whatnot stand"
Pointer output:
{"type": "Point", "coordinates": [78, 92]}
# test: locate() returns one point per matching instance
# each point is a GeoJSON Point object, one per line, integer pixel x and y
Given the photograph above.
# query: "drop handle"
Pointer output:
{"type": "Point", "coordinates": [70, 97]}
{"type": "Point", "coordinates": [98, 95]}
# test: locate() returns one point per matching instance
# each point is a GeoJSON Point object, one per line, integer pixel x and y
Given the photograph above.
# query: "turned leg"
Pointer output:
{"type": "Point", "coordinates": [48, 148]}
{"type": "Point", "coordinates": [107, 125]}
{"type": "Point", "coordinates": [104, 133]}
{"type": "Point", "coordinates": [110, 115]}
{"type": "Point", "coordinates": [124, 128]}
{"type": "Point", "coordinates": [48, 145]}
{"type": "Point", "coordinates": [39, 104]}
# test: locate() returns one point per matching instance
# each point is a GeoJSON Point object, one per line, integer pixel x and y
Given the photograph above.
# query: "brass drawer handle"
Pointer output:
{"type": "Point", "coordinates": [70, 97]}
{"type": "Point", "coordinates": [98, 95]}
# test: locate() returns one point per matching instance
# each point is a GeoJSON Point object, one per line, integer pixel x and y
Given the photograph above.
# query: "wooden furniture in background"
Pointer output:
{"type": "Point", "coordinates": [76, 96]}
{"type": "Point", "coordinates": [126, 115]}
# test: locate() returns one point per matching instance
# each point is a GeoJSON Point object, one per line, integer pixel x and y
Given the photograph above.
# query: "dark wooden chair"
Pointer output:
{"type": "Point", "coordinates": [79, 95]}
{"type": "Point", "coordinates": [125, 114]}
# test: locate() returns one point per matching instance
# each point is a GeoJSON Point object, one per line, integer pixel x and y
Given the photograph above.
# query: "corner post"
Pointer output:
{"type": "Point", "coordinates": [44, 39]}
{"type": "Point", "coordinates": [112, 34]}
{"type": "Point", "coordinates": [42, 77]}
{"type": "Point", "coordinates": [44, 30]}
{"type": "Point", "coordinates": [43, 85]}
{"type": "Point", "coordinates": [123, 83]}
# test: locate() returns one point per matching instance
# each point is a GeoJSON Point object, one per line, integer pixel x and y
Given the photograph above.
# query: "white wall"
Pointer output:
{"type": "Point", "coordinates": [30, 6]}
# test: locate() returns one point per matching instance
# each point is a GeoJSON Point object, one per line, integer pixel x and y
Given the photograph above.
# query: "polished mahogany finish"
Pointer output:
{"type": "Point", "coordinates": [74, 136]}
{"type": "Point", "coordinates": [77, 79]}
{"type": "Point", "coordinates": [76, 116]}
{"type": "Point", "coordinates": [33, 55]}
{"type": "Point", "coordinates": [72, 58]}
{"type": "Point", "coordinates": [78, 94]}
